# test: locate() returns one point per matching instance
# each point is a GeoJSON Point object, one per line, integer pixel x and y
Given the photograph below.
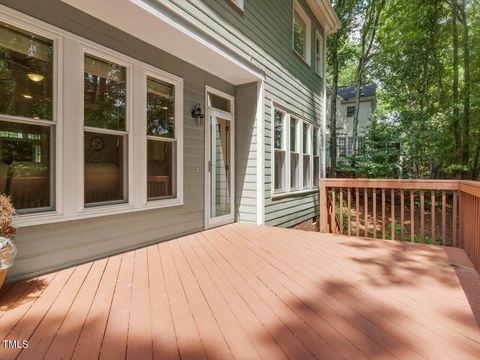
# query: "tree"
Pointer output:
{"type": "Point", "coordinates": [368, 31]}
{"type": "Point", "coordinates": [346, 10]}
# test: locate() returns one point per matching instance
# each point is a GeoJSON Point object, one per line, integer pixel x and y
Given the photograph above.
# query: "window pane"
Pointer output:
{"type": "Point", "coordinates": [315, 141]}
{"type": "Point", "coordinates": [305, 139]}
{"type": "Point", "coordinates": [105, 93]}
{"type": "Point", "coordinates": [105, 179]}
{"type": "Point", "coordinates": [299, 35]}
{"type": "Point", "coordinates": [279, 180]}
{"type": "Point", "coordinates": [278, 130]}
{"type": "Point", "coordinates": [293, 135]}
{"type": "Point", "coordinates": [161, 161]}
{"type": "Point", "coordinates": [316, 170]}
{"type": "Point", "coordinates": [294, 167]}
{"type": "Point", "coordinates": [306, 170]}
{"type": "Point", "coordinates": [25, 158]}
{"type": "Point", "coordinates": [160, 108]}
{"type": "Point", "coordinates": [26, 74]}
{"type": "Point", "coordinates": [350, 111]}
{"type": "Point", "coordinates": [219, 103]}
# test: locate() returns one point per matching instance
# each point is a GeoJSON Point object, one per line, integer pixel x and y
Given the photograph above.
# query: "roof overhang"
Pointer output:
{"type": "Point", "coordinates": [325, 14]}
{"type": "Point", "coordinates": [156, 23]}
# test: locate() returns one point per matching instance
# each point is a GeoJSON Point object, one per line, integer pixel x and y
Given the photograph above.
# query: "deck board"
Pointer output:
{"type": "Point", "coordinates": [252, 292]}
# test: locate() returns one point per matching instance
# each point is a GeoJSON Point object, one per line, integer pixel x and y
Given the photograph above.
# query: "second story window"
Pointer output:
{"type": "Point", "coordinates": [301, 32]}
{"type": "Point", "coordinates": [319, 54]}
{"type": "Point", "coordinates": [350, 111]}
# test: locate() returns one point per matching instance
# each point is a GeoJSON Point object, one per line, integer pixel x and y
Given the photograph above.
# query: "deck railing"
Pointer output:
{"type": "Point", "coordinates": [440, 212]}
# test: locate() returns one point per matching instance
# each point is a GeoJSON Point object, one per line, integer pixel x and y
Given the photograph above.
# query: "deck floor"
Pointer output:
{"type": "Point", "coordinates": [252, 292]}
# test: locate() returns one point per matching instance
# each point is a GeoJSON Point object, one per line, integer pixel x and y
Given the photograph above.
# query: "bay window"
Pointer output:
{"type": "Point", "coordinates": [161, 139]}
{"type": "Point", "coordinates": [106, 136]}
{"type": "Point", "coordinates": [27, 123]}
{"type": "Point", "coordinates": [279, 151]}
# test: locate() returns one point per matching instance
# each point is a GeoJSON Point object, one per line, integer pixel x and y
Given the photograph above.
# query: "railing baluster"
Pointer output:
{"type": "Point", "coordinates": [349, 205]}
{"type": "Point", "coordinates": [383, 214]}
{"type": "Point", "coordinates": [422, 215]}
{"type": "Point", "coordinates": [434, 230]}
{"type": "Point", "coordinates": [365, 205]}
{"type": "Point", "coordinates": [334, 213]}
{"type": "Point", "coordinates": [444, 218]}
{"type": "Point", "coordinates": [454, 219]}
{"type": "Point", "coordinates": [341, 211]}
{"type": "Point", "coordinates": [392, 205]}
{"type": "Point", "coordinates": [374, 193]}
{"type": "Point", "coordinates": [357, 210]}
{"type": "Point", "coordinates": [402, 214]}
{"type": "Point", "coordinates": [412, 215]}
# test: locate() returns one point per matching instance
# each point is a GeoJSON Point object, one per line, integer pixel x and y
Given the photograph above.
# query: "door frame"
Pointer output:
{"type": "Point", "coordinates": [230, 116]}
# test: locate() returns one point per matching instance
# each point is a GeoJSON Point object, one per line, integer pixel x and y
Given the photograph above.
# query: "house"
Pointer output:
{"type": "Point", "coordinates": [126, 123]}
{"type": "Point", "coordinates": [345, 113]}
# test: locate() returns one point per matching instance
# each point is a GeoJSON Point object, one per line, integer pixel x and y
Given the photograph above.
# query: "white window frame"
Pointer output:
{"type": "Point", "coordinates": [288, 190]}
{"type": "Point", "coordinates": [30, 25]}
{"type": "Point", "coordinates": [316, 128]}
{"type": "Point", "coordinates": [319, 54]}
{"type": "Point", "coordinates": [300, 12]}
{"type": "Point", "coordinates": [298, 152]}
{"type": "Point", "coordinates": [342, 139]}
{"type": "Point", "coordinates": [69, 52]}
{"type": "Point", "coordinates": [176, 81]}
{"type": "Point", "coordinates": [309, 153]}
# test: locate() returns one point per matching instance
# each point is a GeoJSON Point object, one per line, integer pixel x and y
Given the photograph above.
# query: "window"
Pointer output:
{"type": "Point", "coordinates": [319, 54]}
{"type": "Point", "coordinates": [27, 124]}
{"type": "Point", "coordinates": [301, 32]}
{"type": "Point", "coordinates": [316, 156]}
{"type": "Point", "coordinates": [342, 147]}
{"type": "Point", "coordinates": [279, 151]}
{"type": "Point", "coordinates": [294, 154]}
{"type": "Point", "coordinates": [106, 136]}
{"type": "Point", "coordinates": [238, 3]}
{"type": "Point", "coordinates": [350, 111]}
{"type": "Point", "coordinates": [307, 156]}
{"type": "Point", "coordinates": [161, 139]}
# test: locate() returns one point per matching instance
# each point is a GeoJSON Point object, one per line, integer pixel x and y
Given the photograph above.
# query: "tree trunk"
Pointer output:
{"type": "Point", "coordinates": [466, 90]}
{"type": "Point", "coordinates": [456, 111]}
{"type": "Point", "coordinates": [358, 94]}
{"type": "Point", "coordinates": [333, 109]}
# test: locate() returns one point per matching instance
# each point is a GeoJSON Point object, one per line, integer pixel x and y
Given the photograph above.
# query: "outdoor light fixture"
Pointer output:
{"type": "Point", "coordinates": [35, 77]}
{"type": "Point", "coordinates": [197, 114]}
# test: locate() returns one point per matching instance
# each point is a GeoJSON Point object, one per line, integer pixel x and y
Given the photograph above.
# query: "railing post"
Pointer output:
{"type": "Point", "coordinates": [323, 211]}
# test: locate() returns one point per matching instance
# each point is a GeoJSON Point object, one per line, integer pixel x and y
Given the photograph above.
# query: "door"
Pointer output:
{"type": "Point", "coordinates": [220, 167]}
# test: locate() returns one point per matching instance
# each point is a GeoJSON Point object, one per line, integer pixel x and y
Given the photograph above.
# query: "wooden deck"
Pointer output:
{"type": "Point", "coordinates": [250, 292]}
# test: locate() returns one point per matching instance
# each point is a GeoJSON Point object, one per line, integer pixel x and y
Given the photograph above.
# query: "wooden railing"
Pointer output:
{"type": "Point", "coordinates": [440, 212]}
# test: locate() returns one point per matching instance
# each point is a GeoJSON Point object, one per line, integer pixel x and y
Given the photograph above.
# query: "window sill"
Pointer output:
{"type": "Point", "coordinates": [304, 59]}
{"type": "Point", "coordinates": [88, 213]}
{"type": "Point", "coordinates": [296, 193]}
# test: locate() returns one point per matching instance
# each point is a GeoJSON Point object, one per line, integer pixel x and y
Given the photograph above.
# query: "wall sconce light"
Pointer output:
{"type": "Point", "coordinates": [197, 114]}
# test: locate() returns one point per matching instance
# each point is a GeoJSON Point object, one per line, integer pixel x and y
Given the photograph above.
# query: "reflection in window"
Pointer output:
{"type": "Point", "coordinates": [161, 140]}
{"type": "Point", "coordinates": [279, 145]}
{"type": "Point", "coordinates": [161, 159]}
{"type": "Point", "coordinates": [26, 74]}
{"type": "Point", "coordinates": [299, 35]}
{"type": "Point", "coordinates": [316, 157]}
{"type": "Point", "coordinates": [104, 168]}
{"type": "Point", "coordinates": [25, 156]}
{"type": "Point", "coordinates": [306, 156]}
{"type": "Point", "coordinates": [105, 175]}
{"type": "Point", "coordinates": [105, 94]}
{"type": "Point", "coordinates": [160, 108]}
{"type": "Point", "coordinates": [294, 154]}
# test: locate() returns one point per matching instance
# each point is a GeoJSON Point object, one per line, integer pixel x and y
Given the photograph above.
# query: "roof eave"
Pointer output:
{"type": "Point", "coordinates": [325, 15]}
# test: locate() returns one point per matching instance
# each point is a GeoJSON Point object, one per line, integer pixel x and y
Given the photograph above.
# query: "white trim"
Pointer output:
{"type": "Point", "coordinates": [298, 9]}
{"type": "Point", "coordinates": [68, 107]}
{"type": "Point", "coordinates": [260, 116]}
{"type": "Point", "coordinates": [26, 23]}
{"type": "Point", "coordinates": [210, 113]}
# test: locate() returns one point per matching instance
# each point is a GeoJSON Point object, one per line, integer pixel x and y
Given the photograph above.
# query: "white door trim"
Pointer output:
{"type": "Point", "coordinates": [210, 113]}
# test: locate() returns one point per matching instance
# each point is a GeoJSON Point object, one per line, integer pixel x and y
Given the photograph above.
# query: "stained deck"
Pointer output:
{"type": "Point", "coordinates": [250, 292]}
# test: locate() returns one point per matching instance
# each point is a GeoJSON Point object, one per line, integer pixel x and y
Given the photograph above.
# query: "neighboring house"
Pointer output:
{"type": "Point", "coordinates": [125, 123]}
{"type": "Point", "coordinates": [345, 113]}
